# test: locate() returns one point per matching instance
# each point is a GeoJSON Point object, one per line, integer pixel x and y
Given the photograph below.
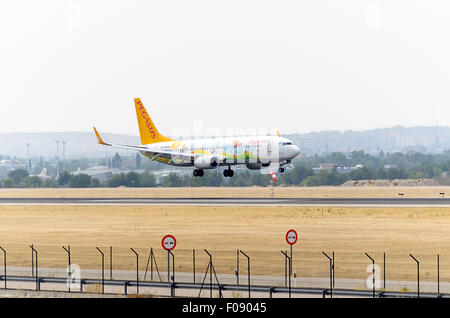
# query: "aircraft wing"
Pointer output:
{"type": "Point", "coordinates": [149, 151]}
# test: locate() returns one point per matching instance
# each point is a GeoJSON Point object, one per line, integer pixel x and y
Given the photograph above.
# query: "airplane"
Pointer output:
{"type": "Point", "coordinates": [43, 175]}
{"type": "Point", "coordinates": [256, 152]}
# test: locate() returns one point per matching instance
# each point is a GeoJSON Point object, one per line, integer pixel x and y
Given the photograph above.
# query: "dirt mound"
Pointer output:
{"type": "Point", "coordinates": [391, 183]}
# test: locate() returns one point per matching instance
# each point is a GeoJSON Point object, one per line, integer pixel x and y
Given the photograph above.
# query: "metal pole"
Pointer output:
{"type": "Point", "coordinates": [210, 272]}
{"type": "Point", "coordinates": [287, 257]}
{"type": "Point", "coordinates": [333, 270]}
{"type": "Point", "coordinates": [373, 274]}
{"type": "Point", "coordinates": [151, 266]}
{"type": "Point", "coordinates": [290, 272]}
{"type": "Point", "coordinates": [290, 269]}
{"type": "Point", "coordinates": [110, 262]}
{"type": "Point", "coordinates": [70, 269]}
{"type": "Point", "coordinates": [4, 262]}
{"type": "Point", "coordinates": [172, 290]}
{"type": "Point", "coordinates": [438, 274]}
{"type": "Point", "coordinates": [237, 267]}
{"type": "Point", "coordinates": [103, 270]}
{"type": "Point", "coordinates": [418, 277]}
{"type": "Point", "coordinates": [384, 271]}
{"type": "Point", "coordinates": [33, 253]}
{"type": "Point", "coordinates": [193, 262]}
{"type": "Point", "coordinates": [32, 261]}
{"type": "Point", "coordinates": [248, 270]}
{"type": "Point", "coordinates": [331, 273]}
{"type": "Point", "coordinates": [168, 266]}
{"type": "Point", "coordinates": [285, 269]}
{"type": "Point", "coordinates": [137, 270]}
{"type": "Point", "coordinates": [38, 286]}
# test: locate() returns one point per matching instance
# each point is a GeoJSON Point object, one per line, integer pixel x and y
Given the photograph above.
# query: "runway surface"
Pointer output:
{"type": "Point", "coordinates": [363, 202]}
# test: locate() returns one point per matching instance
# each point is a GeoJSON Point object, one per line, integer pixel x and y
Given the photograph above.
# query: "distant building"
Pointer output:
{"type": "Point", "coordinates": [101, 173]}
{"type": "Point", "coordinates": [117, 161]}
{"type": "Point", "coordinates": [331, 166]}
{"type": "Point", "coordinates": [138, 161]}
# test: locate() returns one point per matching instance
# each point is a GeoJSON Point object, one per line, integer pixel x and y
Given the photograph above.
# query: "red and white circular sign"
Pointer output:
{"type": "Point", "coordinates": [291, 237]}
{"type": "Point", "coordinates": [169, 242]}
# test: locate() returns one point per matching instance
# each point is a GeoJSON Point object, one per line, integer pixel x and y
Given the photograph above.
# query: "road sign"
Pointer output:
{"type": "Point", "coordinates": [168, 242]}
{"type": "Point", "coordinates": [291, 237]}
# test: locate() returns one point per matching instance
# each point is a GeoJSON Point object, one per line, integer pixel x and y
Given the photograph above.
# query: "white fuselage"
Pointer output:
{"type": "Point", "coordinates": [226, 151]}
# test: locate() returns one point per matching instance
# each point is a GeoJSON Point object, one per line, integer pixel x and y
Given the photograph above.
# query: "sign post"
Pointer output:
{"type": "Point", "coordinates": [291, 239]}
{"type": "Point", "coordinates": [168, 243]}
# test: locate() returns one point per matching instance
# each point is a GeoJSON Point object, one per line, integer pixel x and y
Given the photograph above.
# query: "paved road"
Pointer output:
{"type": "Point", "coordinates": [407, 202]}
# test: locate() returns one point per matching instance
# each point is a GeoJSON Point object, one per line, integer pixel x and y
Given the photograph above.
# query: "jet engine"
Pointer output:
{"type": "Point", "coordinates": [206, 162]}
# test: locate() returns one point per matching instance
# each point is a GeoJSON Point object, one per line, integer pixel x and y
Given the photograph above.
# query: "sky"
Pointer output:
{"type": "Point", "coordinates": [299, 66]}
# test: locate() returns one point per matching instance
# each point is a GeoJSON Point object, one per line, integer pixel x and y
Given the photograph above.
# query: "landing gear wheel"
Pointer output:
{"type": "Point", "coordinates": [228, 173]}
{"type": "Point", "coordinates": [280, 170]}
{"type": "Point", "coordinates": [198, 172]}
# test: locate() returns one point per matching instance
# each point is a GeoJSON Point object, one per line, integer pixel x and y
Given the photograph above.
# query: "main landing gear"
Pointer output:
{"type": "Point", "coordinates": [228, 173]}
{"type": "Point", "coordinates": [198, 173]}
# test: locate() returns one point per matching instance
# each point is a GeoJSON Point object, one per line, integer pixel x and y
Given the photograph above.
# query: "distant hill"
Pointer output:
{"type": "Point", "coordinates": [84, 144]}
{"type": "Point", "coordinates": [78, 144]}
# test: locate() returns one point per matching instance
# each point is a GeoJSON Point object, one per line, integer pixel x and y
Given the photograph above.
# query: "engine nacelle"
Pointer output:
{"type": "Point", "coordinates": [206, 162]}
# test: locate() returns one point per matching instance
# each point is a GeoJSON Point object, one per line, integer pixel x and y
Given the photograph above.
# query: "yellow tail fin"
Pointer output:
{"type": "Point", "coordinates": [148, 131]}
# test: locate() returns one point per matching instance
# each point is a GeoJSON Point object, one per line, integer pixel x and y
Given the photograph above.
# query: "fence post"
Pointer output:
{"type": "Point", "coordinates": [384, 271]}
{"type": "Point", "coordinates": [32, 261]}
{"type": "Point", "coordinates": [287, 257]}
{"type": "Point", "coordinates": [333, 270]}
{"type": "Point", "coordinates": [4, 262]}
{"type": "Point", "coordinates": [438, 289]}
{"type": "Point", "coordinates": [35, 253]}
{"type": "Point", "coordinates": [331, 274]}
{"type": "Point", "coordinates": [193, 262]}
{"type": "Point", "coordinates": [237, 267]}
{"type": "Point", "coordinates": [137, 270]}
{"type": "Point", "coordinates": [103, 270]}
{"type": "Point", "coordinates": [418, 276]}
{"type": "Point", "coordinates": [70, 269]}
{"type": "Point", "coordinates": [110, 263]}
{"type": "Point", "coordinates": [172, 291]}
{"type": "Point", "coordinates": [373, 274]}
{"type": "Point", "coordinates": [248, 270]}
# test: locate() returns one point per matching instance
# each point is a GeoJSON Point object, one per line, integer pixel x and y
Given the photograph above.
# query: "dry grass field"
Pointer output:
{"type": "Point", "coordinates": [259, 231]}
{"type": "Point", "coordinates": [224, 192]}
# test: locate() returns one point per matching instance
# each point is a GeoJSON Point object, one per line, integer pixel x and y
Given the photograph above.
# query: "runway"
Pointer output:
{"type": "Point", "coordinates": [356, 202]}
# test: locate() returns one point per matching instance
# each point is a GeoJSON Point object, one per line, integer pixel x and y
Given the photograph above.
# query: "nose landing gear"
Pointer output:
{"type": "Point", "coordinates": [228, 173]}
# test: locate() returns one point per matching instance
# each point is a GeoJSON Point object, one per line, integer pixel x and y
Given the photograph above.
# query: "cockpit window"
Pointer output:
{"type": "Point", "coordinates": [285, 143]}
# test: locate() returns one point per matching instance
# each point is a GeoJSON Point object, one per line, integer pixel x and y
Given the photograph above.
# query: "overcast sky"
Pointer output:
{"type": "Point", "coordinates": [299, 66]}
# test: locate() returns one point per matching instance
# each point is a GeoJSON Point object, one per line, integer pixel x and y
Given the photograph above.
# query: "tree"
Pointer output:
{"type": "Point", "coordinates": [8, 183]}
{"type": "Point", "coordinates": [95, 183]}
{"type": "Point", "coordinates": [80, 181]}
{"type": "Point", "coordinates": [147, 180]}
{"type": "Point", "coordinates": [132, 179]}
{"type": "Point", "coordinates": [31, 182]}
{"type": "Point", "coordinates": [117, 180]}
{"type": "Point", "coordinates": [64, 178]}
{"type": "Point", "coordinates": [18, 175]}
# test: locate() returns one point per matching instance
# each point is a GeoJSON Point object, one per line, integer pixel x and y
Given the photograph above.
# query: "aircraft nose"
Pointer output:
{"type": "Point", "coordinates": [295, 150]}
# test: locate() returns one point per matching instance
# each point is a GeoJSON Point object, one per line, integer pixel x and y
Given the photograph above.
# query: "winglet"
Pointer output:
{"type": "Point", "coordinates": [100, 140]}
{"type": "Point", "coordinates": [278, 133]}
